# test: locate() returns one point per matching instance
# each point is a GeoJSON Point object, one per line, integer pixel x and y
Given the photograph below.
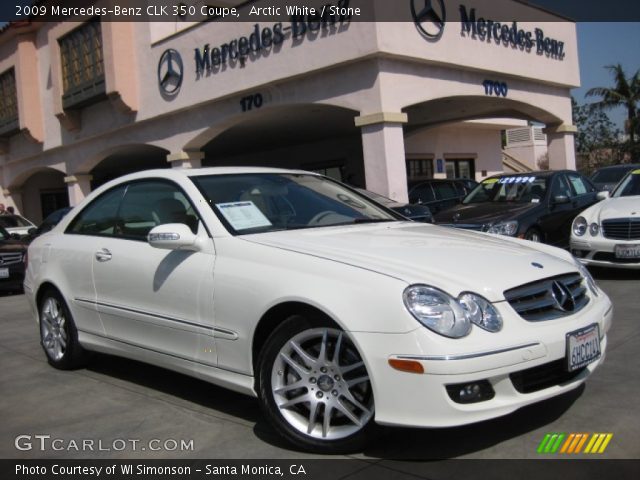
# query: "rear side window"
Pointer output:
{"type": "Point", "coordinates": [445, 191]}
{"type": "Point", "coordinates": [100, 216]}
{"type": "Point", "coordinates": [422, 193]}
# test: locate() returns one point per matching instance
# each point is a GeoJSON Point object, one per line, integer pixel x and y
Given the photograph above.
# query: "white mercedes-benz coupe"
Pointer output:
{"type": "Point", "coordinates": [334, 311]}
{"type": "Point", "coordinates": [607, 234]}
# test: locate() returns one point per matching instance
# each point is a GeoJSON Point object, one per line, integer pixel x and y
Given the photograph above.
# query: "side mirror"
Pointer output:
{"type": "Point", "coordinates": [173, 236]}
{"type": "Point", "coordinates": [560, 200]}
{"type": "Point", "coordinates": [603, 195]}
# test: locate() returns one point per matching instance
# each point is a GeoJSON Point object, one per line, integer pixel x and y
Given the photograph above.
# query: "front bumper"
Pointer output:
{"type": "Point", "coordinates": [600, 252]}
{"type": "Point", "coordinates": [421, 400]}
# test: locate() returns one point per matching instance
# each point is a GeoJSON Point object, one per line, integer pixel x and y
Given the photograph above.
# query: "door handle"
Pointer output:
{"type": "Point", "coordinates": [103, 255]}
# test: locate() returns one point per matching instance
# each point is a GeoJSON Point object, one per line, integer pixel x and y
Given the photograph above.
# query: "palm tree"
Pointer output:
{"type": "Point", "coordinates": [625, 93]}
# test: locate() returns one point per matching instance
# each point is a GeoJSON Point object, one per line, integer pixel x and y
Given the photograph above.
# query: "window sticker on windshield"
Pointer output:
{"type": "Point", "coordinates": [490, 181]}
{"type": "Point", "coordinates": [636, 172]}
{"type": "Point", "coordinates": [504, 180]}
{"type": "Point", "coordinates": [243, 215]}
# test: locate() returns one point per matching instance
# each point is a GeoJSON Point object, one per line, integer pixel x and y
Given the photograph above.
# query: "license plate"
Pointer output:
{"type": "Point", "coordinates": [627, 251]}
{"type": "Point", "coordinates": [583, 347]}
{"type": "Point", "coordinates": [4, 273]}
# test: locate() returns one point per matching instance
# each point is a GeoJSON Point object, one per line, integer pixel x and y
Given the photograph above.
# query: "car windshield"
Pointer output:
{"type": "Point", "coordinates": [12, 221]}
{"type": "Point", "coordinates": [609, 175]}
{"type": "Point", "coordinates": [267, 202]}
{"type": "Point", "coordinates": [516, 189]}
{"type": "Point", "coordinates": [630, 186]}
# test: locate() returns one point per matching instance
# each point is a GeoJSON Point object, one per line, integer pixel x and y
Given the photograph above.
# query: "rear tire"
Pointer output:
{"type": "Point", "coordinates": [314, 387]}
{"type": "Point", "coordinates": [58, 334]}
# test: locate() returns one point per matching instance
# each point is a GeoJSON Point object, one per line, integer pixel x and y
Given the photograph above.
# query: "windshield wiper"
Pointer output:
{"type": "Point", "coordinates": [373, 220]}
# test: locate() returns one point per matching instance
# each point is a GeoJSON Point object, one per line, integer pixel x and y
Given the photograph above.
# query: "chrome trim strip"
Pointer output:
{"type": "Point", "coordinates": [465, 356]}
{"type": "Point", "coordinates": [217, 332]}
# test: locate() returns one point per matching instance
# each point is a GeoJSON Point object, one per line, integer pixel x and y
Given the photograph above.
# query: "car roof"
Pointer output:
{"type": "Point", "coordinates": [620, 167]}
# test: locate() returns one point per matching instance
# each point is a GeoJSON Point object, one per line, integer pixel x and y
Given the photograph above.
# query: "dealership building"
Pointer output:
{"type": "Point", "coordinates": [374, 104]}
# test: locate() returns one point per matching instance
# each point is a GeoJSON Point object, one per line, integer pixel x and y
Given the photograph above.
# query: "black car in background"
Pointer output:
{"type": "Point", "coordinates": [415, 212]}
{"type": "Point", "coordinates": [537, 206]}
{"type": "Point", "coordinates": [439, 194]}
{"type": "Point", "coordinates": [606, 178]}
{"type": "Point", "coordinates": [48, 223]}
{"type": "Point", "coordinates": [12, 266]}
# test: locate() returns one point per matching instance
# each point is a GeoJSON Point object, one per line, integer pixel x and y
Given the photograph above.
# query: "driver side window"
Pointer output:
{"type": "Point", "coordinates": [560, 187]}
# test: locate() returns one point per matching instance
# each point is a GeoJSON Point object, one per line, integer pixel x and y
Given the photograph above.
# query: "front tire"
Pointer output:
{"type": "Point", "coordinates": [58, 334]}
{"type": "Point", "coordinates": [314, 387]}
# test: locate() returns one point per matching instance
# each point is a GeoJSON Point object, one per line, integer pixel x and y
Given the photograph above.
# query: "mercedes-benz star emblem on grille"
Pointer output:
{"type": "Point", "coordinates": [430, 17]}
{"type": "Point", "coordinates": [170, 71]}
{"type": "Point", "coordinates": [563, 297]}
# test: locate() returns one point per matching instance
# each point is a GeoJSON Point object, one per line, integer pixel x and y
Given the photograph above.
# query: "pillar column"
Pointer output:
{"type": "Point", "coordinates": [385, 166]}
{"type": "Point", "coordinates": [561, 147]}
{"type": "Point", "coordinates": [13, 196]}
{"type": "Point", "coordinates": [78, 187]}
{"type": "Point", "coordinates": [188, 159]}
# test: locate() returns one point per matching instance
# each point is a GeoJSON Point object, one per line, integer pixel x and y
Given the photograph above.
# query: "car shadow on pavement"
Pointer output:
{"type": "Point", "coordinates": [614, 274]}
{"type": "Point", "coordinates": [177, 385]}
{"type": "Point", "coordinates": [445, 443]}
{"type": "Point", "coordinates": [390, 443]}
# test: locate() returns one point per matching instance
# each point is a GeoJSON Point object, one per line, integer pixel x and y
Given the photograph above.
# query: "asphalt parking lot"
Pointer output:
{"type": "Point", "coordinates": [121, 399]}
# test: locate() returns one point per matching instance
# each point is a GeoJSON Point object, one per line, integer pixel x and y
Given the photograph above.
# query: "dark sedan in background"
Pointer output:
{"type": "Point", "coordinates": [606, 178]}
{"type": "Point", "coordinates": [12, 267]}
{"type": "Point", "coordinates": [440, 194]}
{"type": "Point", "coordinates": [415, 212]}
{"type": "Point", "coordinates": [537, 206]}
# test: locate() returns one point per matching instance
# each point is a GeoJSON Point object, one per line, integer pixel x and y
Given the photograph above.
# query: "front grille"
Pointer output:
{"type": "Point", "coordinates": [549, 298]}
{"type": "Point", "coordinates": [621, 228]}
{"type": "Point", "coordinates": [543, 376]}
{"type": "Point", "coordinates": [611, 257]}
{"type": "Point", "coordinates": [10, 258]}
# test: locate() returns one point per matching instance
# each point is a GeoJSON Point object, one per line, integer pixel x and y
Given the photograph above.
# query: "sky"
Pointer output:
{"type": "Point", "coordinates": [606, 43]}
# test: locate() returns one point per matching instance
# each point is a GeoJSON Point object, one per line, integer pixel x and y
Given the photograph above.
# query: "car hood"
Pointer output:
{"type": "Point", "coordinates": [450, 259]}
{"type": "Point", "coordinates": [619, 207]}
{"type": "Point", "coordinates": [484, 213]}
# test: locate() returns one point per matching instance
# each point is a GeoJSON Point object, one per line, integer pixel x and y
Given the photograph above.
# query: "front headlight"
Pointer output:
{"type": "Point", "coordinates": [437, 311]}
{"type": "Point", "coordinates": [481, 312]}
{"type": "Point", "coordinates": [579, 226]}
{"type": "Point", "coordinates": [591, 283]}
{"type": "Point", "coordinates": [504, 228]}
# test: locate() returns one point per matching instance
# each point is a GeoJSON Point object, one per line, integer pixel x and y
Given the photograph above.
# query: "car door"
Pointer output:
{"type": "Point", "coordinates": [159, 300]}
{"type": "Point", "coordinates": [446, 195]}
{"type": "Point", "coordinates": [555, 223]}
{"type": "Point", "coordinates": [75, 254]}
{"type": "Point", "coordinates": [584, 193]}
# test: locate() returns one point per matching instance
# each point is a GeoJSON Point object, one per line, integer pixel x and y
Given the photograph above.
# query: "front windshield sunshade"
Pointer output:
{"type": "Point", "coordinates": [267, 202]}
{"type": "Point", "coordinates": [516, 189]}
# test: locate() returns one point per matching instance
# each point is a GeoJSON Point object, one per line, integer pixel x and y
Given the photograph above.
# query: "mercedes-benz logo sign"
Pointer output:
{"type": "Point", "coordinates": [430, 17]}
{"type": "Point", "coordinates": [170, 71]}
{"type": "Point", "coordinates": [562, 296]}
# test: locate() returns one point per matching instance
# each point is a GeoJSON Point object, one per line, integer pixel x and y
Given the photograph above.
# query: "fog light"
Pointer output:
{"type": "Point", "coordinates": [472, 392]}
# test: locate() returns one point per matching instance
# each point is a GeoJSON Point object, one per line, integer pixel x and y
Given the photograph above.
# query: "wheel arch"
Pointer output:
{"type": "Point", "coordinates": [275, 315]}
